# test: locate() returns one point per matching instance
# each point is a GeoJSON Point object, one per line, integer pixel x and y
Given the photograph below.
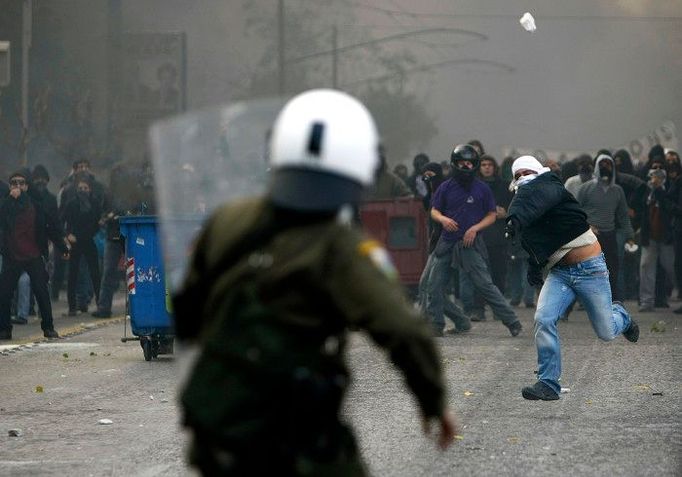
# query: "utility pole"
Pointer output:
{"type": "Point", "coordinates": [282, 66]}
{"type": "Point", "coordinates": [335, 58]}
{"type": "Point", "coordinates": [26, 35]}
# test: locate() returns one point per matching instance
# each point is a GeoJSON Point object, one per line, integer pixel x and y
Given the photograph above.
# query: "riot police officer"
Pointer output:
{"type": "Point", "coordinates": [274, 284]}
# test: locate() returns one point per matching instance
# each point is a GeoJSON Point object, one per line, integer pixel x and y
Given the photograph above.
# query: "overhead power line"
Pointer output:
{"type": "Point", "coordinates": [618, 18]}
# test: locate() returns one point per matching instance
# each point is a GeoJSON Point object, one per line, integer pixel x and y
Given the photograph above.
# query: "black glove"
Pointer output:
{"type": "Point", "coordinates": [511, 229]}
{"type": "Point", "coordinates": [534, 276]}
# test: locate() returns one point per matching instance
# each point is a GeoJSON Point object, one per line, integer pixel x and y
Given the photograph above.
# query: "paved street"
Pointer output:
{"type": "Point", "coordinates": [621, 416]}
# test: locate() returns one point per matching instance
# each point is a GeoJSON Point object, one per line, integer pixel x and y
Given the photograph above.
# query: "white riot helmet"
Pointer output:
{"type": "Point", "coordinates": [324, 151]}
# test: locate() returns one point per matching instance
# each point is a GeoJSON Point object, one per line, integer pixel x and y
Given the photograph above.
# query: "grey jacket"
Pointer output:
{"type": "Point", "coordinates": [605, 204]}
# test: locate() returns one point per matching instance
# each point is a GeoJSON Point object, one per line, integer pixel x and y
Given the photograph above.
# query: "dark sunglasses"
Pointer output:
{"type": "Point", "coordinates": [17, 182]}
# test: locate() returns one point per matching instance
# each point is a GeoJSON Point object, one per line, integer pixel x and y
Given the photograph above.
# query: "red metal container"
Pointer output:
{"type": "Point", "coordinates": [401, 225]}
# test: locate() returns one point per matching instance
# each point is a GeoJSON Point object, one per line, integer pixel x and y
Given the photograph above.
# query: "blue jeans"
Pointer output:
{"type": "Point", "coordinates": [589, 282]}
{"type": "Point", "coordinates": [432, 297]}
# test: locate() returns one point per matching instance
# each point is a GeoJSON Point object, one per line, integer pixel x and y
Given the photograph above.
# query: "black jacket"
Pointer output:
{"type": "Point", "coordinates": [83, 223]}
{"type": "Point", "coordinates": [661, 198]}
{"type": "Point", "coordinates": [548, 217]}
{"type": "Point", "coordinates": [493, 236]}
{"type": "Point", "coordinates": [46, 227]}
{"type": "Point", "coordinates": [635, 194]}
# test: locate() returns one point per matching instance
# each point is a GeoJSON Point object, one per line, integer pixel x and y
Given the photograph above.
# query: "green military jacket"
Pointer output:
{"type": "Point", "coordinates": [268, 303]}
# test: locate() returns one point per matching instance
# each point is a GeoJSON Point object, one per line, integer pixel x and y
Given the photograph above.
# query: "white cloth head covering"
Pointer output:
{"type": "Point", "coordinates": [530, 163]}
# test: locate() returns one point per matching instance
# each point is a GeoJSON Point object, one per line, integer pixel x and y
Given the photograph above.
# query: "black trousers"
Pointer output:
{"type": "Point", "coordinates": [11, 270]}
{"type": "Point", "coordinates": [677, 243]}
{"type": "Point", "coordinates": [82, 249]}
{"type": "Point", "coordinates": [609, 245]}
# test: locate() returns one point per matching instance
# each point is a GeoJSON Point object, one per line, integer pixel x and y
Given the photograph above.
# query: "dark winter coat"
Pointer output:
{"type": "Point", "coordinates": [548, 217]}
{"type": "Point", "coordinates": [46, 225]}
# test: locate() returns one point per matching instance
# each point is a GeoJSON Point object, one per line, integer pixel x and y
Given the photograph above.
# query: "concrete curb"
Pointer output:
{"type": "Point", "coordinates": [64, 332]}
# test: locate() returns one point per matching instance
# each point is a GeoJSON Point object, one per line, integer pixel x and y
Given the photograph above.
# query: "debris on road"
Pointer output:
{"type": "Point", "coordinates": [39, 389]}
{"type": "Point", "coordinates": [105, 422]}
{"type": "Point", "coordinates": [14, 433]}
{"type": "Point", "coordinates": [658, 327]}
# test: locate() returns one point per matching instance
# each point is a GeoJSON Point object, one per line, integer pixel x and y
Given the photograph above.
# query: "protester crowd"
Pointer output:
{"type": "Point", "coordinates": [74, 234]}
{"type": "Point", "coordinates": [635, 211]}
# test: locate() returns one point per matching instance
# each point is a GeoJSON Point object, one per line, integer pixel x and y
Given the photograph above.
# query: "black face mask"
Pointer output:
{"type": "Point", "coordinates": [84, 201]}
{"type": "Point", "coordinates": [605, 174]}
{"type": "Point", "coordinates": [585, 172]}
{"type": "Point", "coordinates": [464, 177]}
{"type": "Point", "coordinates": [40, 186]}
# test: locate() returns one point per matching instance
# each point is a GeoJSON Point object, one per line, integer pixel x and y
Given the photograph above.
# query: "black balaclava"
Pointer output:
{"type": "Point", "coordinates": [605, 174]}
{"type": "Point", "coordinates": [464, 177]}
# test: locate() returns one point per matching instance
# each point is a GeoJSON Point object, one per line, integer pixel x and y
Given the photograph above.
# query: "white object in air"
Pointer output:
{"type": "Point", "coordinates": [631, 248]}
{"type": "Point", "coordinates": [528, 22]}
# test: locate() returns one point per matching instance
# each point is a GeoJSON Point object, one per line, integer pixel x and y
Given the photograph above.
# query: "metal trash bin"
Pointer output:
{"type": "Point", "coordinates": [148, 302]}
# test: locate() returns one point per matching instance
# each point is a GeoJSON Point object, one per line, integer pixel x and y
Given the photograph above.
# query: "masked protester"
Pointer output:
{"type": "Point", "coordinates": [81, 220]}
{"type": "Point", "coordinates": [464, 206]}
{"type": "Point", "coordinates": [433, 177]}
{"type": "Point", "coordinates": [607, 212]}
{"type": "Point", "coordinates": [274, 284]}
{"type": "Point", "coordinates": [553, 229]}
{"type": "Point", "coordinates": [25, 228]}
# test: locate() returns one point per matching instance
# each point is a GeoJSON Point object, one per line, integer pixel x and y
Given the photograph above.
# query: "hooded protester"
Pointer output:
{"type": "Point", "coordinates": [433, 177]}
{"type": "Point", "coordinates": [585, 173]}
{"type": "Point", "coordinates": [607, 212]}
{"type": "Point", "coordinates": [623, 161]}
{"type": "Point", "coordinates": [40, 178]}
{"type": "Point", "coordinates": [634, 188]}
{"type": "Point", "coordinates": [656, 155]}
{"type": "Point", "coordinates": [25, 228]}
{"type": "Point", "coordinates": [418, 163]}
{"type": "Point", "coordinates": [81, 217]}
{"type": "Point", "coordinates": [553, 229]}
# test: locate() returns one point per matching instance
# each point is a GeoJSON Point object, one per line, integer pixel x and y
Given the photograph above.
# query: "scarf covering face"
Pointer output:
{"type": "Point", "coordinates": [84, 201]}
{"type": "Point", "coordinates": [529, 163]}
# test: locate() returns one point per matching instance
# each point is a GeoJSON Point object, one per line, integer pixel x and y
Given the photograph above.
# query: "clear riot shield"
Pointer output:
{"type": "Point", "coordinates": [202, 160]}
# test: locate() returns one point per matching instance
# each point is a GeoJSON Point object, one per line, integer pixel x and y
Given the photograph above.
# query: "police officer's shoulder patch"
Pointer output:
{"type": "Point", "coordinates": [379, 256]}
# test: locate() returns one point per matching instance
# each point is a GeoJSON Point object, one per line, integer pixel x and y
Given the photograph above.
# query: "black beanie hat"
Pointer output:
{"type": "Point", "coordinates": [656, 151]}
{"type": "Point", "coordinates": [40, 171]}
